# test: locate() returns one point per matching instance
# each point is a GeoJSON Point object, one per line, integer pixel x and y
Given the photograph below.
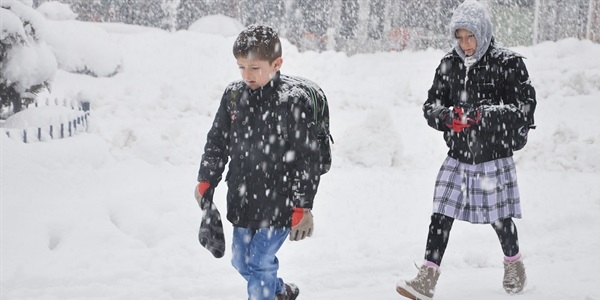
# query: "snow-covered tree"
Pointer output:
{"type": "Point", "coordinates": [27, 65]}
{"type": "Point", "coordinates": [359, 25]}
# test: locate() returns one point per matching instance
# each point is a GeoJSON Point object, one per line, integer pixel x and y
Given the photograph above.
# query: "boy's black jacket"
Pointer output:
{"type": "Point", "coordinates": [499, 85]}
{"type": "Point", "coordinates": [267, 175]}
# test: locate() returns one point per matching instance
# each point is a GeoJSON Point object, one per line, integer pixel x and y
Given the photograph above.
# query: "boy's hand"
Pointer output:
{"type": "Point", "coordinates": [302, 224]}
{"type": "Point", "coordinates": [203, 194]}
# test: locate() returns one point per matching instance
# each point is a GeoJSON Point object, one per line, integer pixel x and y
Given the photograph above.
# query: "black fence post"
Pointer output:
{"type": "Point", "coordinates": [85, 106]}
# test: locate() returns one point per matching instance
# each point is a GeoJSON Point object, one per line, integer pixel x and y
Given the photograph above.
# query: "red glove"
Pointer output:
{"type": "Point", "coordinates": [200, 192]}
{"type": "Point", "coordinates": [457, 123]}
{"type": "Point", "coordinates": [464, 119]}
{"type": "Point", "coordinates": [302, 224]}
{"type": "Point", "coordinates": [203, 186]}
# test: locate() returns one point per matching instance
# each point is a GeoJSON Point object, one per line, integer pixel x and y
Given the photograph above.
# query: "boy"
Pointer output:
{"type": "Point", "coordinates": [274, 172]}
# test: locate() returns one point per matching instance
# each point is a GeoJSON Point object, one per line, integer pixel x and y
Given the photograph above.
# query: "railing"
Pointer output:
{"type": "Point", "coordinates": [70, 123]}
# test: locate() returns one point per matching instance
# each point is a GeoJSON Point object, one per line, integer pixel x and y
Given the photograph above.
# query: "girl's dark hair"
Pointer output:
{"type": "Point", "coordinates": [259, 42]}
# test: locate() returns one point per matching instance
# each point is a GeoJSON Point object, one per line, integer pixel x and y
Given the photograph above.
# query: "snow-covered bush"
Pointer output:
{"type": "Point", "coordinates": [82, 47]}
{"type": "Point", "coordinates": [217, 24]}
{"type": "Point", "coordinates": [56, 11]}
{"type": "Point", "coordinates": [75, 52]}
{"type": "Point", "coordinates": [27, 65]}
{"type": "Point", "coordinates": [35, 43]}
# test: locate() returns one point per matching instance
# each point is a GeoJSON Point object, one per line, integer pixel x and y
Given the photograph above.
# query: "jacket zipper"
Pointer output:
{"type": "Point", "coordinates": [465, 91]}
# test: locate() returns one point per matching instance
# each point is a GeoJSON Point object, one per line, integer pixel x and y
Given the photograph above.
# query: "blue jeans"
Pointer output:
{"type": "Point", "coordinates": [254, 257]}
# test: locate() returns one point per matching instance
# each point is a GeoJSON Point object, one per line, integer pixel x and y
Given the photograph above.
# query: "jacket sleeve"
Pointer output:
{"type": "Point", "coordinates": [303, 150]}
{"type": "Point", "coordinates": [519, 100]}
{"type": "Point", "coordinates": [216, 149]}
{"type": "Point", "coordinates": [438, 95]}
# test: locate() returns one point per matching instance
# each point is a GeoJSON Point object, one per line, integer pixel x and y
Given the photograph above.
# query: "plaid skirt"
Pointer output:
{"type": "Point", "coordinates": [481, 193]}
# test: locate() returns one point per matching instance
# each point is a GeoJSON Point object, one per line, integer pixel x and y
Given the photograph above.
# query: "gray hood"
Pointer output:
{"type": "Point", "coordinates": [473, 16]}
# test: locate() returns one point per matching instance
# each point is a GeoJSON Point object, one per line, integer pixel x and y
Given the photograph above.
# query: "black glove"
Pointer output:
{"type": "Point", "coordinates": [211, 234]}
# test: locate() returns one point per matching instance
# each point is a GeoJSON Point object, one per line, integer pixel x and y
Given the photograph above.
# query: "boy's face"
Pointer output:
{"type": "Point", "coordinates": [256, 73]}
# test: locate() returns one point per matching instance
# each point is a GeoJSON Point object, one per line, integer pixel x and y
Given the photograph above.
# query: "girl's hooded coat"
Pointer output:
{"type": "Point", "coordinates": [497, 82]}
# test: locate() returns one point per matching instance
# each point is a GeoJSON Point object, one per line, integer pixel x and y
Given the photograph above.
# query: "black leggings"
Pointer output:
{"type": "Point", "coordinates": [439, 233]}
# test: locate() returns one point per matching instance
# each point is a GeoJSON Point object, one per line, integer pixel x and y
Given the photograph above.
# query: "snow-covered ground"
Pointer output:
{"type": "Point", "coordinates": [110, 213]}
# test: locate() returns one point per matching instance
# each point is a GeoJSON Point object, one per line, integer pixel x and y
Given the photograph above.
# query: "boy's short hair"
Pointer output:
{"type": "Point", "coordinates": [258, 42]}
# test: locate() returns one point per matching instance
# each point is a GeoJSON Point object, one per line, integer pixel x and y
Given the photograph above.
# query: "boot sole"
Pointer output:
{"type": "Point", "coordinates": [405, 293]}
{"type": "Point", "coordinates": [408, 292]}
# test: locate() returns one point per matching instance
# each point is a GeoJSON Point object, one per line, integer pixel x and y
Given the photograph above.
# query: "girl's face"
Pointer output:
{"type": "Point", "coordinates": [257, 73]}
{"type": "Point", "coordinates": [467, 41]}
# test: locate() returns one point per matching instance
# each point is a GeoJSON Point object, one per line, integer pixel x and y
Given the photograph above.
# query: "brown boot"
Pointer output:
{"type": "Point", "coordinates": [514, 276]}
{"type": "Point", "coordinates": [291, 292]}
{"type": "Point", "coordinates": [422, 287]}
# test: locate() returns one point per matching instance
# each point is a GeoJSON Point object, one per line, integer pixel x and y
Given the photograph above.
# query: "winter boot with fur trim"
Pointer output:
{"type": "Point", "coordinates": [422, 287]}
{"type": "Point", "coordinates": [514, 276]}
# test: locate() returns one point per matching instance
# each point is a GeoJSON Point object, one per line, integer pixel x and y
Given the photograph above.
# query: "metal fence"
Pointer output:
{"type": "Point", "coordinates": [58, 126]}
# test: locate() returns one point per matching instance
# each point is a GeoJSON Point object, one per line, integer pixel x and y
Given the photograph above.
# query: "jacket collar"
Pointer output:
{"type": "Point", "coordinates": [268, 88]}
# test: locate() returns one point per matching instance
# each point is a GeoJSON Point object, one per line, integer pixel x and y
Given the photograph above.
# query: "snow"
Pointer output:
{"type": "Point", "coordinates": [110, 213]}
{"type": "Point", "coordinates": [10, 26]}
{"type": "Point", "coordinates": [30, 60]}
{"type": "Point", "coordinates": [25, 2]}
{"type": "Point", "coordinates": [217, 24]}
{"type": "Point", "coordinates": [83, 47]}
{"type": "Point", "coordinates": [56, 11]}
{"type": "Point", "coordinates": [26, 71]}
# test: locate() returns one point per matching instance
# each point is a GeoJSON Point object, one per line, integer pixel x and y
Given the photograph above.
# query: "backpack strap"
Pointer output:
{"type": "Point", "coordinates": [313, 95]}
{"type": "Point", "coordinates": [319, 111]}
{"type": "Point", "coordinates": [283, 113]}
